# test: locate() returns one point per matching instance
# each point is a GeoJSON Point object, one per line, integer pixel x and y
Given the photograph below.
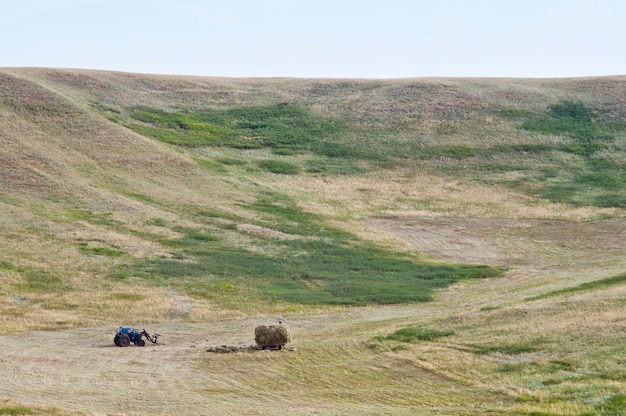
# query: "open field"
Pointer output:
{"type": "Point", "coordinates": [437, 246]}
{"type": "Point", "coordinates": [570, 352]}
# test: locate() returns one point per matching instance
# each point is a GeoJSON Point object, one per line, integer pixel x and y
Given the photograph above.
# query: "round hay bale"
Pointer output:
{"type": "Point", "coordinates": [272, 336]}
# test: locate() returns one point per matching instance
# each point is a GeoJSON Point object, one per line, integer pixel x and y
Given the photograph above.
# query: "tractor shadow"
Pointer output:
{"type": "Point", "coordinates": [111, 344]}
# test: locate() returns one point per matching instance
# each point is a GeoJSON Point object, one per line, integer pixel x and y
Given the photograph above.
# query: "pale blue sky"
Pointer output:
{"type": "Point", "coordinates": [321, 38]}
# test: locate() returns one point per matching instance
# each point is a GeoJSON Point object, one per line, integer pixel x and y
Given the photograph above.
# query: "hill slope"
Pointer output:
{"type": "Point", "coordinates": [160, 199]}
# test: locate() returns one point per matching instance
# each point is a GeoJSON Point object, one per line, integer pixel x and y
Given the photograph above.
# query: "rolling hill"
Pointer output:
{"type": "Point", "coordinates": [438, 246]}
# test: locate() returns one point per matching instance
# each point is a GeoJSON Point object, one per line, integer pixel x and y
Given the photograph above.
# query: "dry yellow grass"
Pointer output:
{"type": "Point", "coordinates": [62, 167]}
{"type": "Point", "coordinates": [395, 193]}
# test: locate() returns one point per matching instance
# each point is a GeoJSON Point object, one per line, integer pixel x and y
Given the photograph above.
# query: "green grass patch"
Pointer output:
{"type": "Point", "coordinates": [282, 213]}
{"type": "Point", "coordinates": [570, 118]}
{"type": "Point", "coordinates": [23, 410]}
{"type": "Point", "coordinates": [158, 222]}
{"type": "Point", "coordinates": [610, 200]}
{"type": "Point", "coordinates": [16, 410]}
{"type": "Point", "coordinates": [7, 267]}
{"type": "Point", "coordinates": [59, 214]}
{"type": "Point", "coordinates": [600, 284]}
{"type": "Point", "coordinates": [278, 166]}
{"type": "Point", "coordinates": [286, 128]}
{"type": "Point", "coordinates": [522, 148]}
{"type": "Point", "coordinates": [506, 349]}
{"type": "Point", "coordinates": [209, 215]}
{"type": "Point", "coordinates": [594, 180]}
{"type": "Point", "coordinates": [330, 166]}
{"type": "Point", "coordinates": [36, 280]}
{"type": "Point", "coordinates": [337, 150]}
{"type": "Point", "coordinates": [561, 365]}
{"type": "Point", "coordinates": [190, 238]}
{"type": "Point", "coordinates": [103, 218]}
{"type": "Point", "coordinates": [41, 281]}
{"type": "Point", "coordinates": [323, 265]}
{"type": "Point", "coordinates": [131, 297]}
{"type": "Point", "coordinates": [144, 199]}
{"type": "Point", "coordinates": [414, 335]}
{"type": "Point", "coordinates": [85, 248]}
{"type": "Point", "coordinates": [232, 161]}
{"type": "Point", "coordinates": [513, 368]}
{"type": "Point", "coordinates": [210, 164]}
{"type": "Point", "coordinates": [329, 273]}
{"type": "Point", "coordinates": [614, 406]}
{"type": "Point", "coordinates": [455, 152]}
{"type": "Point", "coordinates": [569, 171]}
{"type": "Point", "coordinates": [537, 368]}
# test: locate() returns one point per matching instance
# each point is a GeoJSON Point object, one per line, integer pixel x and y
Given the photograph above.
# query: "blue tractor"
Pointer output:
{"type": "Point", "coordinates": [124, 335]}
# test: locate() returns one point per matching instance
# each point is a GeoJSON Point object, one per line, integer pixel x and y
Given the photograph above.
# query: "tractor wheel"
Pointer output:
{"type": "Point", "coordinates": [124, 340]}
{"type": "Point", "coordinates": [141, 343]}
{"type": "Point", "coordinates": [116, 340]}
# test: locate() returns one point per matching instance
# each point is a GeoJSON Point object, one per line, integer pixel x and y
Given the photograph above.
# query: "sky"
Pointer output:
{"type": "Point", "coordinates": [319, 38]}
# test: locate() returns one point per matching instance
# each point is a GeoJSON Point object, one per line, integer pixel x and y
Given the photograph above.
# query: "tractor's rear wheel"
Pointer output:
{"type": "Point", "coordinates": [141, 343]}
{"type": "Point", "coordinates": [124, 340]}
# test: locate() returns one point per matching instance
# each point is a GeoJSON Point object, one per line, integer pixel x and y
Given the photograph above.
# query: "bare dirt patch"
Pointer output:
{"type": "Point", "coordinates": [521, 243]}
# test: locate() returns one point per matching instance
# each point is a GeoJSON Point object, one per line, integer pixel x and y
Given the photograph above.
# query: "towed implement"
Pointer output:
{"type": "Point", "coordinates": [124, 335]}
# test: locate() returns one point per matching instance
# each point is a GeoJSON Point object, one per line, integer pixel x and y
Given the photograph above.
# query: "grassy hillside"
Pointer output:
{"type": "Point", "coordinates": [488, 212]}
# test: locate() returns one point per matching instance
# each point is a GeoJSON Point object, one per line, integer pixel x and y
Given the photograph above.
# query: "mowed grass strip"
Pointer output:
{"type": "Point", "coordinates": [600, 284]}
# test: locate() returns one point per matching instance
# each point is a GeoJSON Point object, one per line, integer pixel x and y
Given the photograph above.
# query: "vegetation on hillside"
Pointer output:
{"type": "Point", "coordinates": [477, 224]}
{"type": "Point", "coordinates": [284, 128]}
{"type": "Point", "coordinates": [586, 167]}
{"type": "Point", "coordinates": [312, 264]}
{"type": "Point", "coordinates": [597, 140]}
